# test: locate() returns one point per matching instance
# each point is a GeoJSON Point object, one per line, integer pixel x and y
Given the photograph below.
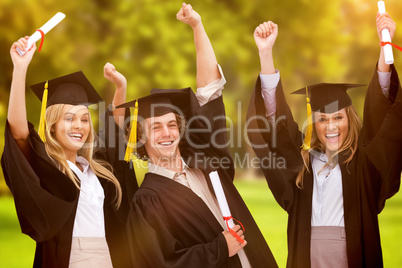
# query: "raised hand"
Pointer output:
{"type": "Point", "coordinates": [22, 61]}
{"type": "Point", "coordinates": [110, 73]}
{"type": "Point", "coordinates": [234, 245]}
{"type": "Point", "coordinates": [265, 35]}
{"type": "Point", "coordinates": [188, 15]}
{"type": "Point", "coordinates": [384, 21]}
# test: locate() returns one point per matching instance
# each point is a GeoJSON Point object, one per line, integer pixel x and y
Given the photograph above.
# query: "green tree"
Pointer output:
{"type": "Point", "coordinates": [319, 41]}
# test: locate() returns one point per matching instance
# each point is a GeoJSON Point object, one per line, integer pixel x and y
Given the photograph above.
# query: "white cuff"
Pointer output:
{"type": "Point", "coordinates": [269, 81]}
{"type": "Point", "coordinates": [384, 79]}
{"type": "Point", "coordinates": [211, 91]}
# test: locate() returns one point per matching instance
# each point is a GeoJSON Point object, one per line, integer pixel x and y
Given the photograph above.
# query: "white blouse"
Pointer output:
{"type": "Point", "coordinates": [89, 219]}
{"type": "Point", "coordinates": [327, 209]}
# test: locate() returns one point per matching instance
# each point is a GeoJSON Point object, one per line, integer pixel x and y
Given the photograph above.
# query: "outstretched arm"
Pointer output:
{"type": "Point", "coordinates": [279, 134]}
{"type": "Point", "coordinates": [381, 133]}
{"type": "Point", "coordinates": [265, 36]}
{"type": "Point", "coordinates": [383, 88]}
{"type": "Point", "coordinates": [110, 73]}
{"type": "Point", "coordinates": [384, 21]}
{"type": "Point", "coordinates": [207, 66]}
{"type": "Point", "coordinates": [17, 116]}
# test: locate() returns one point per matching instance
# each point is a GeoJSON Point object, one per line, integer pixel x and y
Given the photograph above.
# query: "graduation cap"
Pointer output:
{"type": "Point", "coordinates": [158, 103]}
{"type": "Point", "coordinates": [74, 89]}
{"type": "Point", "coordinates": [325, 98]}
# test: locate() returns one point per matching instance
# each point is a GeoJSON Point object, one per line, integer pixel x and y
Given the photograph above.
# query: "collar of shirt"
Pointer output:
{"type": "Point", "coordinates": [152, 168]}
{"type": "Point", "coordinates": [319, 160]}
{"type": "Point", "coordinates": [321, 156]}
{"type": "Point", "coordinates": [82, 161]}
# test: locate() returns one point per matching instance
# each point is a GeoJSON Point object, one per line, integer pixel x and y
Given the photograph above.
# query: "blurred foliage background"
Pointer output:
{"type": "Point", "coordinates": [319, 41]}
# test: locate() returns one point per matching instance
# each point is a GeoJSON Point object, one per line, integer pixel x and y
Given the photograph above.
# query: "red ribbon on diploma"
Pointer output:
{"type": "Point", "coordinates": [41, 39]}
{"type": "Point", "coordinates": [233, 232]}
{"type": "Point", "coordinates": [389, 43]}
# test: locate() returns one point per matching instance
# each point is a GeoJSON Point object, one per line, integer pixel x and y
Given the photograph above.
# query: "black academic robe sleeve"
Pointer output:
{"type": "Point", "coordinates": [377, 105]}
{"type": "Point", "coordinates": [44, 197]}
{"type": "Point", "coordinates": [207, 144]}
{"type": "Point", "coordinates": [156, 243]}
{"type": "Point", "coordinates": [111, 149]}
{"type": "Point", "coordinates": [279, 140]}
{"type": "Point", "coordinates": [382, 136]}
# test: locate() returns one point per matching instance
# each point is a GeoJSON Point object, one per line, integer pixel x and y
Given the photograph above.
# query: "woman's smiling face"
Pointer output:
{"type": "Point", "coordinates": [72, 128]}
{"type": "Point", "coordinates": [332, 129]}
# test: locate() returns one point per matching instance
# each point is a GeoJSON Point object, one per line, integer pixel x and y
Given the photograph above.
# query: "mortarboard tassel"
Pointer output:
{"type": "Point", "coordinates": [133, 135]}
{"type": "Point", "coordinates": [42, 120]}
{"type": "Point", "coordinates": [307, 138]}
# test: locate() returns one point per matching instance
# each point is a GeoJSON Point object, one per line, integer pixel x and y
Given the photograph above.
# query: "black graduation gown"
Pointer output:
{"type": "Point", "coordinates": [46, 202]}
{"type": "Point", "coordinates": [170, 226]}
{"type": "Point", "coordinates": [111, 147]}
{"type": "Point", "coordinates": [368, 180]}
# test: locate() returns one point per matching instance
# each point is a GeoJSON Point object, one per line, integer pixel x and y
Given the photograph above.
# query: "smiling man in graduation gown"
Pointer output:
{"type": "Point", "coordinates": [175, 220]}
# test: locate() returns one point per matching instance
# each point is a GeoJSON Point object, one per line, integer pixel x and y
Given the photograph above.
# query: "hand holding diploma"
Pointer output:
{"type": "Point", "coordinates": [56, 19]}
{"type": "Point", "coordinates": [235, 234]}
{"type": "Point", "coordinates": [220, 196]}
{"type": "Point", "coordinates": [385, 35]}
{"type": "Point", "coordinates": [21, 63]}
{"type": "Point", "coordinates": [234, 245]}
{"type": "Point", "coordinates": [223, 205]}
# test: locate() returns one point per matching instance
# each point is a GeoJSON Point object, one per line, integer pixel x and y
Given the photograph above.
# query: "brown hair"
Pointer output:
{"type": "Point", "coordinates": [349, 146]}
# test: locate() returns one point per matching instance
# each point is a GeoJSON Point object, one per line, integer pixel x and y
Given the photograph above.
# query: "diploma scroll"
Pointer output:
{"type": "Point", "coordinates": [386, 37]}
{"type": "Point", "coordinates": [220, 196]}
{"type": "Point", "coordinates": [56, 19]}
{"type": "Point", "coordinates": [223, 204]}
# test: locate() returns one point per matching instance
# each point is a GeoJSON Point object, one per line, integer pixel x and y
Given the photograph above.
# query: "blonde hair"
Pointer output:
{"type": "Point", "coordinates": [349, 146]}
{"type": "Point", "coordinates": [56, 153]}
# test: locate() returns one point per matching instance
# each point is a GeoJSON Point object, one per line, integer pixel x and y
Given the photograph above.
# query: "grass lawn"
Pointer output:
{"type": "Point", "coordinates": [17, 250]}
